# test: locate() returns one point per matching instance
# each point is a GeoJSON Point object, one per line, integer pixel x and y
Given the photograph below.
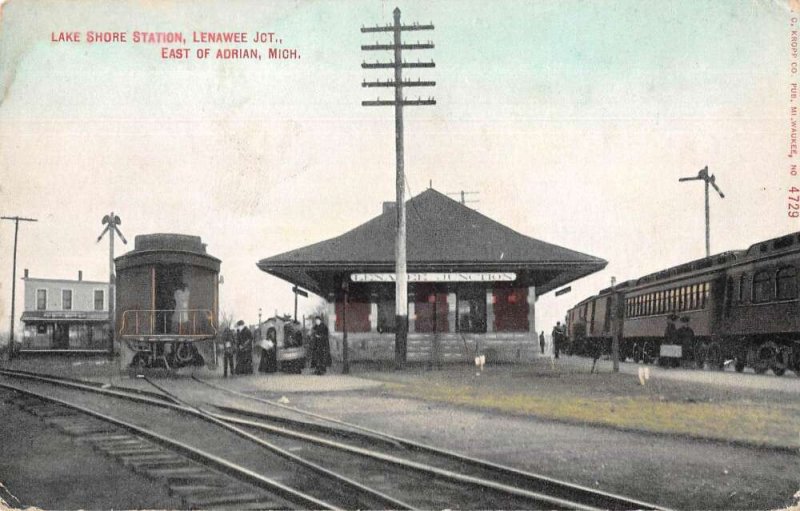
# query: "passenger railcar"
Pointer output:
{"type": "Point", "coordinates": [740, 306]}
{"type": "Point", "coordinates": [167, 293]}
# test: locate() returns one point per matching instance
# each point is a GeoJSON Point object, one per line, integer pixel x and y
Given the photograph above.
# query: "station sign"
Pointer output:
{"type": "Point", "coordinates": [437, 277]}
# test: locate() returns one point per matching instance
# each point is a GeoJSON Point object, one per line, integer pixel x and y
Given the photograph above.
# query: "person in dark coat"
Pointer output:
{"type": "Point", "coordinates": [228, 348]}
{"type": "Point", "coordinates": [244, 349]}
{"type": "Point", "coordinates": [541, 342]}
{"type": "Point", "coordinates": [320, 347]}
{"type": "Point", "coordinates": [558, 339]}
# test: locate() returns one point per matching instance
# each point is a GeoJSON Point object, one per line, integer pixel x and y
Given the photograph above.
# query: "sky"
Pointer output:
{"type": "Point", "coordinates": [572, 119]}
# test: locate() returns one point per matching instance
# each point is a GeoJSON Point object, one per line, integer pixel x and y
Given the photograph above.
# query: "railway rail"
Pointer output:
{"type": "Point", "coordinates": [404, 473]}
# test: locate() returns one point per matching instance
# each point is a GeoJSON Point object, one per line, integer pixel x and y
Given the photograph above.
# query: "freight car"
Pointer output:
{"type": "Point", "coordinates": [167, 293]}
{"type": "Point", "coordinates": [739, 306]}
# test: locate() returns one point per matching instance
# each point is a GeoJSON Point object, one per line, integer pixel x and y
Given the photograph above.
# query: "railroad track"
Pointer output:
{"type": "Point", "coordinates": [414, 474]}
{"type": "Point", "coordinates": [290, 481]}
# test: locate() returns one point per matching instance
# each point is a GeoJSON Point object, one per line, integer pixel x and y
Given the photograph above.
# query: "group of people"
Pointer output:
{"type": "Point", "coordinates": [237, 345]}
{"type": "Point", "coordinates": [238, 348]}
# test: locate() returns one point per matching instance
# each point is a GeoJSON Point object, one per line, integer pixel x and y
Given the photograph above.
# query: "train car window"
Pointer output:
{"type": "Point", "coordinates": [742, 280]}
{"type": "Point", "coordinates": [762, 287]}
{"type": "Point", "coordinates": [786, 283]}
{"type": "Point", "coordinates": [706, 287]}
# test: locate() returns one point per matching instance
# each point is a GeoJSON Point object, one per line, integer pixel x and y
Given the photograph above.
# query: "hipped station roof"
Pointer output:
{"type": "Point", "coordinates": [443, 235]}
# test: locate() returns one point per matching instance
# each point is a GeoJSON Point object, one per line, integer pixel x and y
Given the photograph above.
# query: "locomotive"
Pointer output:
{"type": "Point", "coordinates": [740, 306]}
{"type": "Point", "coordinates": [167, 293]}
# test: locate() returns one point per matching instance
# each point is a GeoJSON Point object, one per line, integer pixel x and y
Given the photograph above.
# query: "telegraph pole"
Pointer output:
{"type": "Point", "coordinates": [111, 222]}
{"type": "Point", "coordinates": [703, 176]}
{"type": "Point", "coordinates": [16, 220]}
{"type": "Point", "coordinates": [397, 46]}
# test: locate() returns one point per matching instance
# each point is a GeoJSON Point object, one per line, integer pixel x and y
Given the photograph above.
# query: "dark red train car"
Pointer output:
{"type": "Point", "coordinates": [738, 306]}
{"type": "Point", "coordinates": [167, 293]}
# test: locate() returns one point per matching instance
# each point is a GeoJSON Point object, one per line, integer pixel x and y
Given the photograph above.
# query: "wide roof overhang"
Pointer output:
{"type": "Point", "coordinates": [443, 235]}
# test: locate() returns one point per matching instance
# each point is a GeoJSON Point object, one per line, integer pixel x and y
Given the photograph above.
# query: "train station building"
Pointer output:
{"type": "Point", "coordinates": [473, 283]}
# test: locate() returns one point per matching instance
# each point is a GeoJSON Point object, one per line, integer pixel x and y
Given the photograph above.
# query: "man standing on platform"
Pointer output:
{"type": "Point", "coordinates": [244, 349]}
{"type": "Point", "coordinates": [320, 349]}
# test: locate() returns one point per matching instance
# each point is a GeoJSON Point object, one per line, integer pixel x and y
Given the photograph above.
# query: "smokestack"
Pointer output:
{"type": "Point", "coordinates": [80, 275]}
{"type": "Point", "coordinates": [26, 274]}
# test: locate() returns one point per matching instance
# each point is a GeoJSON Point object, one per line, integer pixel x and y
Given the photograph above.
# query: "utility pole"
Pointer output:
{"type": "Point", "coordinates": [111, 222]}
{"type": "Point", "coordinates": [397, 46]}
{"type": "Point", "coordinates": [703, 176]}
{"type": "Point", "coordinates": [16, 220]}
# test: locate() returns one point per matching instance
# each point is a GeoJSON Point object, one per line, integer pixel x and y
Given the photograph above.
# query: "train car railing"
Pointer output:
{"type": "Point", "coordinates": [168, 323]}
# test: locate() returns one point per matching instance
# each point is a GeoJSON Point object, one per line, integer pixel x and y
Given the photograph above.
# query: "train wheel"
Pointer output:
{"type": "Point", "coordinates": [783, 359]}
{"type": "Point", "coordinates": [184, 353]}
{"type": "Point", "coordinates": [714, 357]}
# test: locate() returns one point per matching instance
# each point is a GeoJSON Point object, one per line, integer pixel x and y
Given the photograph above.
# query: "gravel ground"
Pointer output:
{"type": "Point", "coordinates": [676, 473]}
{"type": "Point", "coordinates": [669, 470]}
{"type": "Point", "coordinates": [43, 467]}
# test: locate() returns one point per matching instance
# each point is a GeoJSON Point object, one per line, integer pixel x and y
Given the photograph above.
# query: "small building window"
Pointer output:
{"type": "Point", "coordinates": [786, 283]}
{"type": "Point", "coordinates": [99, 299]}
{"type": "Point", "coordinates": [41, 328]}
{"type": "Point", "coordinates": [471, 310]}
{"type": "Point", "coordinates": [66, 299]}
{"type": "Point", "coordinates": [762, 287]}
{"type": "Point", "coordinates": [41, 299]}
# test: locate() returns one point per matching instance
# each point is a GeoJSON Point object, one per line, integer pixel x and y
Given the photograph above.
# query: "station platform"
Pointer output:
{"type": "Point", "coordinates": [101, 369]}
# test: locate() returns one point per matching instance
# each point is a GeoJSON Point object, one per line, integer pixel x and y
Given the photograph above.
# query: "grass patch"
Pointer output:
{"type": "Point", "coordinates": [613, 400]}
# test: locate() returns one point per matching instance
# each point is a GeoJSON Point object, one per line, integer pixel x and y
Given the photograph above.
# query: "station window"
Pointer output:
{"type": "Point", "coordinates": [41, 328]}
{"type": "Point", "coordinates": [66, 299]}
{"type": "Point", "coordinates": [41, 299]}
{"type": "Point", "coordinates": [386, 314]}
{"type": "Point", "coordinates": [99, 299]}
{"type": "Point", "coordinates": [471, 310]}
{"type": "Point", "coordinates": [786, 283]}
{"type": "Point", "coordinates": [762, 287]}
